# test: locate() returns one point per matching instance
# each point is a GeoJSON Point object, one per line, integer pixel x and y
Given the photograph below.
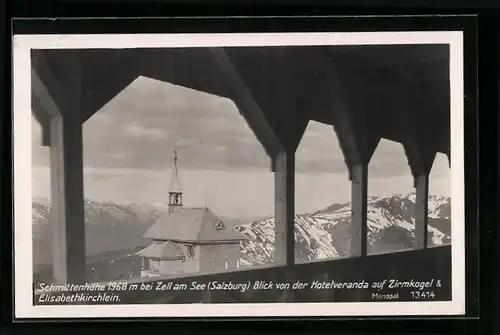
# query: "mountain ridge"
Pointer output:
{"type": "Point", "coordinates": [322, 234]}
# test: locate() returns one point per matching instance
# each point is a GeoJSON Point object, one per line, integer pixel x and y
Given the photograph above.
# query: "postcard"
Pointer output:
{"type": "Point", "coordinates": [258, 174]}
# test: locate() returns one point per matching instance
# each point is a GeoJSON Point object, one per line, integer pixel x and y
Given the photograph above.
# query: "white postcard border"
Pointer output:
{"type": "Point", "coordinates": [23, 277]}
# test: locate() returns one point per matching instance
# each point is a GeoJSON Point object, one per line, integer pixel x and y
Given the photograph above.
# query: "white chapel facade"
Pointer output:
{"type": "Point", "coordinates": [189, 239]}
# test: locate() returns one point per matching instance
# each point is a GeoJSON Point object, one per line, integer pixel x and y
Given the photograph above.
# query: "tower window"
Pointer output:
{"type": "Point", "coordinates": [175, 199]}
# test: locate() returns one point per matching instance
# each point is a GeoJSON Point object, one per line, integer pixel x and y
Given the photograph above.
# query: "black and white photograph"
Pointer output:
{"type": "Point", "coordinates": [220, 175]}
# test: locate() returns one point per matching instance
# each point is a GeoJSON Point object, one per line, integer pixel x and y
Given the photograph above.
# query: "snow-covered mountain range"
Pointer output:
{"type": "Point", "coordinates": [325, 234]}
{"type": "Point", "coordinates": [319, 235]}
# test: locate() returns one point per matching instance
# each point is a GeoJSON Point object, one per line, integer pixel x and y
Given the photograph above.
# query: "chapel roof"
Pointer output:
{"type": "Point", "coordinates": [193, 225]}
{"type": "Point", "coordinates": [166, 250]}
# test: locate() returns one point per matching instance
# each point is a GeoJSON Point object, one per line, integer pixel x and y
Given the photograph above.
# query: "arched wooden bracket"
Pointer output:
{"type": "Point", "coordinates": [120, 74]}
{"type": "Point", "coordinates": [357, 138]}
{"type": "Point", "coordinates": [419, 155]}
{"type": "Point", "coordinates": [274, 123]}
{"type": "Point", "coordinates": [296, 133]}
{"type": "Point", "coordinates": [357, 152]}
{"type": "Point", "coordinates": [257, 119]}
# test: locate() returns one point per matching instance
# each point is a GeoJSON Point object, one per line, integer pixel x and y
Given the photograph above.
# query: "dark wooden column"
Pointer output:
{"type": "Point", "coordinates": [261, 122]}
{"type": "Point", "coordinates": [67, 212]}
{"type": "Point", "coordinates": [421, 140]}
{"type": "Point", "coordinates": [284, 188]}
{"type": "Point", "coordinates": [420, 159]}
{"type": "Point", "coordinates": [267, 104]}
{"type": "Point", "coordinates": [62, 102]}
{"type": "Point", "coordinates": [421, 210]}
{"type": "Point", "coordinates": [358, 140]}
{"type": "Point", "coordinates": [359, 200]}
{"type": "Point", "coordinates": [284, 228]}
{"type": "Point", "coordinates": [290, 126]}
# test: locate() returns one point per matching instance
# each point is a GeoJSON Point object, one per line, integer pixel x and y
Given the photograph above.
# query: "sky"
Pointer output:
{"type": "Point", "coordinates": [129, 143]}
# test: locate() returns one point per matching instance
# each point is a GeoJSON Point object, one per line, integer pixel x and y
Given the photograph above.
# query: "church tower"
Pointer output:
{"type": "Point", "coordinates": [175, 192]}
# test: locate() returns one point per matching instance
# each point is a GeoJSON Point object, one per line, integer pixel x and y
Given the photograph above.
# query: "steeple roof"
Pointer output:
{"type": "Point", "coordinates": [175, 181]}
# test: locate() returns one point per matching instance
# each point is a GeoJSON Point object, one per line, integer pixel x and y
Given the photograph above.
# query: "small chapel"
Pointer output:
{"type": "Point", "coordinates": [189, 239]}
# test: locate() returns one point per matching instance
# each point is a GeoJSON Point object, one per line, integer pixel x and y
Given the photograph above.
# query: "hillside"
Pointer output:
{"type": "Point", "coordinates": [114, 231]}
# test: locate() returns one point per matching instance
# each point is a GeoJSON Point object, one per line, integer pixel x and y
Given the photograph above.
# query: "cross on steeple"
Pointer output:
{"type": "Point", "coordinates": [175, 192]}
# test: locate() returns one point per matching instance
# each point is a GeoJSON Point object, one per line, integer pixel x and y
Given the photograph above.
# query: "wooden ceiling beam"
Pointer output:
{"type": "Point", "coordinates": [43, 104]}
{"type": "Point", "coordinates": [42, 93]}
{"type": "Point", "coordinates": [53, 94]}
{"type": "Point", "coordinates": [357, 139]}
{"type": "Point", "coordinates": [193, 68]}
{"type": "Point", "coordinates": [248, 106]}
{"type": "Point", "coordinates": [396, 98]}
{"type": "Point", "coordinates": [414, 74]}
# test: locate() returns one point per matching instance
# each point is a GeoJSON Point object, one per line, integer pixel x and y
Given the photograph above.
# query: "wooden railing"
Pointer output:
{"type": "Point", "coordinates": [417, 265]}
